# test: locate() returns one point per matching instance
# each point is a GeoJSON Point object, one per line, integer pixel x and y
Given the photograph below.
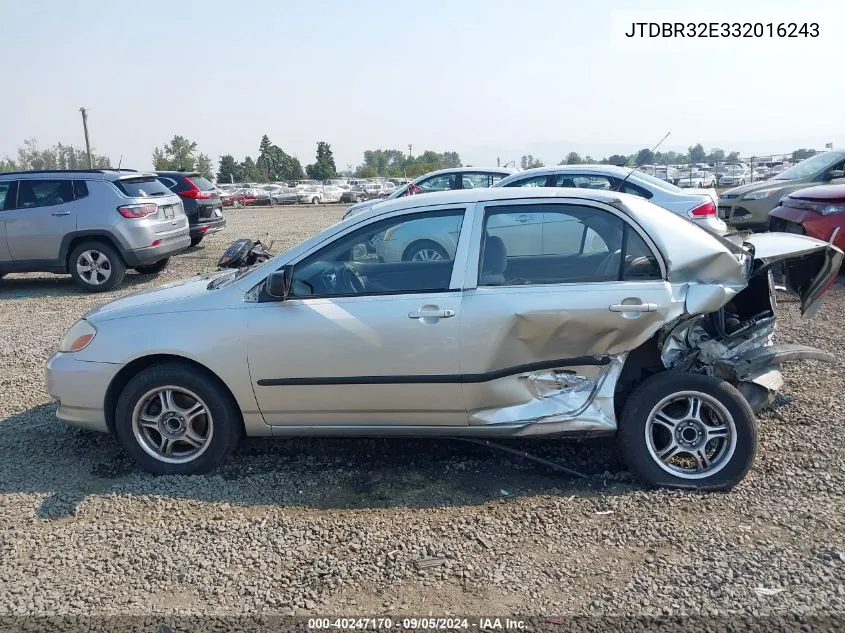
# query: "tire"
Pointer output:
{"type": "Point", "coordinates": [214, 433]}
{"type": "Point", "coordinates": [196, 240]}
{"type": "Point", "coordinates": [154, 268]}
{"type": "Point", "coordinates": [272, 203]}
{"type": "Point", "coordinates": [315, 200]}
{"type": "Point", "coordinates": [236, 204]}
{"type": "Point", "coordinates": [425, 250]}
{"type": "Point", "coordinates": [108, 272]}
{"type": "Point", "coordinates": [641, 439]}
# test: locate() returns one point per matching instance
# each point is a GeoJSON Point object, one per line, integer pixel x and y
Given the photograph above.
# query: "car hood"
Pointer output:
{"type": "Point", "coordinates": [833, 194]}
{"type": "Point", "coordinates": [156, 300]}
{"type": "Point", "coordinates": [811, 266]}
{"type": "Point", "coordinates": [764, 184]}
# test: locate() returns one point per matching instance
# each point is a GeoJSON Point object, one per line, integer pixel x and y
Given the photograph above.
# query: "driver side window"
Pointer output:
{"type": "Point", "coordinates": [405, 254]}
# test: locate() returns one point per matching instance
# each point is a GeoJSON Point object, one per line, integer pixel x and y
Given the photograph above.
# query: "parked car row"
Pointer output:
{"type": "Point", "coordinates": [720, 174]}
{"type": "Point", "coordinates": [94, 224]}
{"type": "Point", "coordinates": [308, 191]}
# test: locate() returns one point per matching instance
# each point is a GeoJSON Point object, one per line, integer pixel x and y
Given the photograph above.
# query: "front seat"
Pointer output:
{"type": "Point", "coordinates": [494, 261]}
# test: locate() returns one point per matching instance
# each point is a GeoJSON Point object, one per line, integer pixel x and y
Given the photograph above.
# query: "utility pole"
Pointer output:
{"type": "Point", "coordinates": [87, 142]}
{"type": "Point", "coordinates": [498, 162]}
{"type": "Point", "coordinates": [410, 150]}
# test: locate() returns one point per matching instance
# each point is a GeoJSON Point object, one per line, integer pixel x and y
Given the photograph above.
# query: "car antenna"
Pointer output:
{"type": "Point", "coordinates": [637, 166]}
{"type": "Point", "coordinates": [119, 162]}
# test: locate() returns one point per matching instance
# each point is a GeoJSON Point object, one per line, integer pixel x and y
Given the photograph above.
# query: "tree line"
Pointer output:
{"type": "Point", "coordinates": [58, 156]}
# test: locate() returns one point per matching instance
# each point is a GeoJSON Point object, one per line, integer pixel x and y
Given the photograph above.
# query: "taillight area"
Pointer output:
{"type": "Point", "coordinates": [706, 210]}
{"type": "Point", "coordinates": [194, 192]}
{"type": "Point", "coordinates": [137, 211]}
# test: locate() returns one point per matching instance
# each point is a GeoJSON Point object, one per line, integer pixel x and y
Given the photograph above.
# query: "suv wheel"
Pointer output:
{"type": "Point", "coordinates": [175, 420]}
{"type": "Point", "coordinates": [154, 268]}
{"type": "Point", "coordinates": [196, 240]}
{"type": "Point", "coordinates": [688, 431]}
{"type": "Point", "coordinates": [96, 266]}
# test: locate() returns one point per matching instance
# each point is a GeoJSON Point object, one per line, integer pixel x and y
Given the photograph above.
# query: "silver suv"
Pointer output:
{"type": "Point", "coordinates": [92, 224]}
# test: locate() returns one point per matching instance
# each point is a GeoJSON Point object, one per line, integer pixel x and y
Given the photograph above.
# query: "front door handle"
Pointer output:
{"type": "Point", "coordinates": [58, 213]}
{"type": "Point", "coordinates": [633, 307]}
{"type": "Point", "coordinates": [427, 314]}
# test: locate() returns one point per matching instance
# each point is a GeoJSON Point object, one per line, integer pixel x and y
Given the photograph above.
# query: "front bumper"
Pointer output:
{"type": "Point", "coordinates": [205, 227]}
{"type": "Point", "coordinates": [80, 389]}
{"type": "Point", "coordinates": [815, 225]}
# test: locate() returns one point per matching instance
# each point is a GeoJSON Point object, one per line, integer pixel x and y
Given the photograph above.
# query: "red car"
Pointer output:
{"type": "Point", "coordinates": [816, 211]}
{"type": "Point", "coordinates": [237, 200]}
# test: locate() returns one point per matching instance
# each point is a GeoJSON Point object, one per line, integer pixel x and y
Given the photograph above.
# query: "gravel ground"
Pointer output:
{"type": "Point", "coordinates": [338, 526]}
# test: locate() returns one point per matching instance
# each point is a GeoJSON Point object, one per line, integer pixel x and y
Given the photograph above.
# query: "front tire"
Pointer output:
{"type": "Point", "coordinates": [154, 268]}
{"type": "Point", "coordinates": [692, 431]}
{"type": "Point", "coordinates": [315, 200]}
{"type": "Point", "coordinates": [425, 251]}
{"type": "Point", "coordinates": [175, 420]}
{"type": "Point", "coordinates": [96, 266]}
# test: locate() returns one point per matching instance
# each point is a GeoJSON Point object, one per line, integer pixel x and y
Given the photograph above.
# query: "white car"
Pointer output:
{"type": "Point", "coordinates": [318, 194]}
{"type": "Point", "coordinates": [699, 205]}
{"type": "Point", "coordinates": [697, 180]}
{"type": "Point", "coordinates": [735, 177]}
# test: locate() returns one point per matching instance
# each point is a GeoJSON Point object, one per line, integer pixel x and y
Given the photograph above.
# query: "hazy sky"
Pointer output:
{"type": "Point", "coordinates": [484, 78]}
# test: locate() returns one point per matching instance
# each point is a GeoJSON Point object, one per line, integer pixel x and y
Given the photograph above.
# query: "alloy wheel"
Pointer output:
{"type": "Point", "coordinates": [172, 424]}
{"type": "Point", "coordinates": [690, 435]}
{"type": "Point", "coordinates": [93, 267]}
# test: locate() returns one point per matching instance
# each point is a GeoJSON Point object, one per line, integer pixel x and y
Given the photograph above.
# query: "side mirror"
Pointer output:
{"type": "Point", "coordinates": [835, 173]}
{"type": "Point", "coordinates": [278, 283]}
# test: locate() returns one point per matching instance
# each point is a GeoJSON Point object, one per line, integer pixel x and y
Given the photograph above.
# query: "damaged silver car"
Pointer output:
{"type": "Point", "coordinates": [606, 316]}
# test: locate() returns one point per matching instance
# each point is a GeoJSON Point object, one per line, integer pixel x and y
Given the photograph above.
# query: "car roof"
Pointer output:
{"type": "Point", "coordinates": [452, 170]}
{"type": "Point", "coordinates": [186, 174]}
{"type": "Point", "coordinates": [77, 174]}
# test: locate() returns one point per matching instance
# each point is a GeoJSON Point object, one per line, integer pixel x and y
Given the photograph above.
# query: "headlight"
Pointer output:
{"type": "Point", "coordinates": [78, 337]}
{"type": "Point", "coordinates": [759, 195]}
{"type": "Point", "coordinates": [830, 209]}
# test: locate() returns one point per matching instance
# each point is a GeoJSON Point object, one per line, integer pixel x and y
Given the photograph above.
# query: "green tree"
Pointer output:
{"type": "Point", "coordinates": [617, 159]}
{"type": "Point", "coordinates": [367, 171]}
{"type": "Point", "coordinates": [228, 170]}
{"type": "Point", "coordinates": [178, 154]}
{"type": "Point", "coordinates": [451, 160]}
{"type": "Point", "coordinates": [58, 156]}
{"type": "Point", "coordinates": [733, 157]}
{"type": "Point", "coordinates": [324, 167]}
{"type": "Point", "coordinates": [249, 170]}
{"type": "Point", "coordinates": [716, 155]}
{"type": "Point", "coordinates": [204, 166]}
{"type": "Point", "coordinates": [572, 158]}
{"type": "Point", "coordinates": [644, 157]}
{"type": "Point", "coordinates": [529, 162]}
{"type": "Point", "coordinates": [801, 154]}
{"type": "Point", "coordinates": [697, 153]}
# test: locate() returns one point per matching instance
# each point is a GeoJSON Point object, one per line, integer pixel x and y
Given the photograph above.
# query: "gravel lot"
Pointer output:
{"type": "Point", "coordinates": [336, 526]}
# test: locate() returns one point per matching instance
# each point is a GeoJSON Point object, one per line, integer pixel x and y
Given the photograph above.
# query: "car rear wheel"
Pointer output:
{"type": "Point", "coordinates": [425, 251]}
{"type": "Point", "coordinates": [315, 200]}
{"type": "Point", "coordinates": [196, 240]}
{"type": "Point", "coordinates": [96, 266]}
{"type": "Point", "coordinates": [154, 268]}
{"type": "Point", "coordinates": [175, 420]}
{"type": "Point", "coordinates": [236, 204]}
{"type": "Point", "coordinates": [271, 203]}
{"type": "Point", "coordinates": [685, 430]}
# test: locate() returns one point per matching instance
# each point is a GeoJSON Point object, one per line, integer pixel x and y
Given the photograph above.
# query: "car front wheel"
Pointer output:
{"type": "Point", "coordinates": [685, 430]}
{"type": "Point", "coordinates": [425, 251]}
{"type": "Point", "coordinates": [175, 420]}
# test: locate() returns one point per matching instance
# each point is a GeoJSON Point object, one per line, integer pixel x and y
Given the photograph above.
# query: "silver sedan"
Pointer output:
{"type": "Point", "coordinates": [616, 318]}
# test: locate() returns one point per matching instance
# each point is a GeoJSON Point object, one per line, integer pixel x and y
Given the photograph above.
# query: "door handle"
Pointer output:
{"type": "Point", "coordinates": [425, 314]}
{"type": "Point", "coordinates": [633, 307]}
{"type": "Point", "coordinates": [58, 213]}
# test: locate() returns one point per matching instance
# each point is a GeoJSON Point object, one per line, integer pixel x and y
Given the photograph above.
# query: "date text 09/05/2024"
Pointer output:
{"type": "Point", "coordinates": [723, 29]}
{"type": "Point", "coordinates": [416, 624]}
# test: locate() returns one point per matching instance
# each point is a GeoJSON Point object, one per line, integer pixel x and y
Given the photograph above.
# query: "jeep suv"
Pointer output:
{"type": "Point", "coordinates": [92, 224]}
{"type": "Point", "coordinates": [201, 200]}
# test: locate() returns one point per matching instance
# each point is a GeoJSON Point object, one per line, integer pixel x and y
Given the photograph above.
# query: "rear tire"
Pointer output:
{"type": "Point", "coordinates": [712, 447]}
{"type": "Point", "coordinates": [425, 251]}
{"type": "Point", "coordinates": [96, 266]}
{"type": "Point", "coordinates": [196, 240]}
{"type": "Point", "coordinates": [236, 204]}
{"type": "Point", "coordinates": [315, 200]}
{"type": "Point", "coordinates": [199, 423]}
{"type": "Point", "coordinates": [154, 268]}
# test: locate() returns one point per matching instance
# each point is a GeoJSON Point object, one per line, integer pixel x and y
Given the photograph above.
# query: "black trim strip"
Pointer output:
{"type": "Point", "coordinates": [434, 378]}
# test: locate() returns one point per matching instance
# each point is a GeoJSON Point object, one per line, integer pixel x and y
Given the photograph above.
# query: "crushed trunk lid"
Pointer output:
{"type": "Point", "coordinates": [810, 265]}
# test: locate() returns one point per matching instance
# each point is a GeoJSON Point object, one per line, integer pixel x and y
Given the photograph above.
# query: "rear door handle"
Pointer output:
{"type": "Point", "coordinates": [633, 307]}
{"type": "Point", "coordinates": [58, 213]}
{"type": "Point", "coordinates": [425, 314]}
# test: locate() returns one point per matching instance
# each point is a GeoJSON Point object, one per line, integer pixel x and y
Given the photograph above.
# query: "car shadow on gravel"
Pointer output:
{"type": "Point", "coordinates": [13, 287]}
{"type": "Point", "coordinates": [67, 465]}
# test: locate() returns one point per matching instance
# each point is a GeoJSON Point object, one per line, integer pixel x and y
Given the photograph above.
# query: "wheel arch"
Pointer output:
{"type": "Point", "coordinates": [130, 370]}
{"type": "Point", "coordinates": [422, 241]}
{"type": "Point", "coordinates": [72, 240]}
{"type": "Point", "coordinates": [641, 363]}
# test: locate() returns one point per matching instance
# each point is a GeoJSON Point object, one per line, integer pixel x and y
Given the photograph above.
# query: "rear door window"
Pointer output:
{"type": "Point", "coordinates": [141, 187]}
{"type": "Point", "coordinates": [7, 195]}
{"type": "Point", "coordinates": [80, 189]}
{"type": "Point", "coordinates": [44, 193]}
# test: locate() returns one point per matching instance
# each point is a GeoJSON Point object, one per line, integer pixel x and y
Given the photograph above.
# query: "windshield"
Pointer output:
{"type": "Point", "coordinates": [143, 187]}
{"type": "Point", "coordinates": [811, 166]}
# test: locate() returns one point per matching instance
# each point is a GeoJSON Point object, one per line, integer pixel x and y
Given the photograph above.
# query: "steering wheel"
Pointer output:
{"type": "Point", "coordinates": [351, 279]}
